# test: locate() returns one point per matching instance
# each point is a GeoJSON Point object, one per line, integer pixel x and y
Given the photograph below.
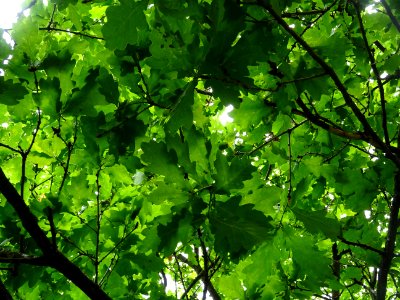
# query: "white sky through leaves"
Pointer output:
{"type": "Point", "coordinates": [8, 12]}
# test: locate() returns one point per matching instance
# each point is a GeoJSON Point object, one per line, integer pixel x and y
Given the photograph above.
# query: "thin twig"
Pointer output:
{"type": "Point", "coordinates": [72, 32]}
{"type": "Point", "coordinates": [361, 245]}
{"type": "Point", "coordinates": [70, 146]}
{"type": "Point", "coordinates": [205, 263]}
{"type": "Point", "coordinates": [119, 243]}
{"type": "Point", "coordinates": [298, 14]}
{"type": "Point", "coordinates": [395, 22]}
{"type": "Point", "coordinates": [181, 277]}
{"type": "Point", "coordinates": [98, 226]}
{"type": "Point", "coordinates": [24, 154]}
{"type": "Point", "coordinates": [109, 270]}
{"type": "Point", "coordinates": [10, 148]}
{"type": "Point", "coordinates": [80, 251]}
{"type": "Point", "coordinates": [274, 138]}
{"type": "Point", "coordinates": [369, 134]}
{"type": "Point", "coordinates": [376, 72]}
{"type": "Point", "coordinates": [289, 196]}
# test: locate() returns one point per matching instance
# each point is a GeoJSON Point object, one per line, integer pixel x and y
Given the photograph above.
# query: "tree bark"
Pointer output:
{"type": "Point", "coordinates": [390, 244]}
{"type": "Point", "coordinates": [56, 259]}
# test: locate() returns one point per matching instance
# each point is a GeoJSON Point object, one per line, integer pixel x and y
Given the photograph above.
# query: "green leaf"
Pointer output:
{"type": "Point", "coordinates": [108, 86]}
{"type": "Point", "coordinates": [238, 228]}
{"type": "Point", "coordinates": [161, 161]}
{"type": "Point", "coordinates": [168, 193]}
{"type": "Point", "coordinates": [230, 175]}
{"type": "Point", "coordinates": [11, 93]}
{"type": "Point", "coordinates": [85, 100]}
{"type": "Point", "coordinates": [49, 99]}
{"type": "Point", "coordinates": [178, 230]}
{"type": "Point", "coordinates": [317, 222]}
{"type": "Point", "coordinates": [124, 22]}
{"type": "Point", "coordinates": [181, 113]}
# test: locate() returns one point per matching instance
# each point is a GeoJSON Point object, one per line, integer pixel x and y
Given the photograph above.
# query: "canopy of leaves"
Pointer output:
{"type": "Point", "coordinates": [121, 178]}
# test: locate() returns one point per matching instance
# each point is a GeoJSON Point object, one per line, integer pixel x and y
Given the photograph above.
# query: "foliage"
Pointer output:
{"type": "Point", "coordinates": [119, 175]}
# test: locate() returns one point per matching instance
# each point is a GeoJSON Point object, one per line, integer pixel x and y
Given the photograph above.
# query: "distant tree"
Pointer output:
{"type": "Point", "coordinates": [119, 174]}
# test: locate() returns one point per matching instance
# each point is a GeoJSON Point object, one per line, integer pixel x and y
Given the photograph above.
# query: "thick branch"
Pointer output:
{"type": "Point", "coordinates": [390, 244]}
{"type": "Point", "coordinates": [335, 269]}
{"type": "Point", "coordinates": [56, 259]}
{"type": "Point", "coordinates": [323, 123]}
{"type": "Point", "coordinates": [200, 275]}
{"type": "Point", "coordinates": [4, 293]}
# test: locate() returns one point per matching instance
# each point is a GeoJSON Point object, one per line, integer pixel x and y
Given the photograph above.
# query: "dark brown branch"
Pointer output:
{"type": "Point", "coordinates": [376, 73]}
{"type": "Point", "coordinates": [323, 123]}
{"type": "Point", "coordinates": [299, 14]}
{"type": "Point", "coordinates": [71, 32]}
{"type": "Point", "coordinates": [206, 279]}
{"type": "Point", "coordinates": [335, 269]}
{"type": "Point", "coordinates": [4, 293]}
{"type": "Point", "coordinates": [200, 275]}
{"type": "Point", "coordinates": [274, 138]}
{"type": "Point", "coordinates": [181, 278]}
{"type": "Point", "coordinates": [289, 196]}
{"type": "Point", "coordinates": [70, 147]}
{"type": "Point", "coordinates": [233, 81]}
{"type": "Point", "coordinates": [361, 245]}
{"type": "Point", "coordinates": [18, 258]}
{"type": "Point", "coordinates": [203, 92]}
{"type": "Point", "coordinates": [78, 249]}
{"type": "Point", "coordinates": [56, 259]}
{"type": "Point", "coordinates": [98, 227]}
{"type": "Point", "coordinates": [119, 243]}
{"type": "Point", "coordinates": [369, 134]}
{"type": "Point", "coordinates": [24, 154]}
{"type": "Point", "coordinates": [390, 244]}
{"type": "Point", "coordinates": [395, 22]}
{"type": "Point", "coordinates": [10, 148]}
{"type": "Point", "coordinates": [49, 25]}
{"type": "Point", "coordinates": [109, 270]}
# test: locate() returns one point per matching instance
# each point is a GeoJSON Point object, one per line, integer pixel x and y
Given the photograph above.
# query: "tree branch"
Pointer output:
{"type": "Point", "coordinates": [98, 226]}
{"type": "Point", "coordinates": [298, 14]}
{"type": "Point", "coordinates": [323, 123]}
{"type": "Point", "coordinates": [274, 138]}
{"type": "Point", "coordinates": [388, 253]}
{"type": "Point", "coordinates": [24, 154]}
{"type": "Point", "coordinates": [376, 72]}
{"type": "Point", "coordinates": [361, 245]}
{"type": "Point", "coordinates": [19, 258]}
{"type": "Point", "coordinates": [56, 259]}
{"type": "Point", "coordinates": [4, 293]}
{"type": "Point", "coordinates": [185, 294]}
{"type": "Point", "coordinates": [71, 32]}
{"type": "Point", "coordinates": [200, 275]}
{"type": "Point", "coordinates": [369, 134]}
{"type": "Point", "coordinates": [395, 22]}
